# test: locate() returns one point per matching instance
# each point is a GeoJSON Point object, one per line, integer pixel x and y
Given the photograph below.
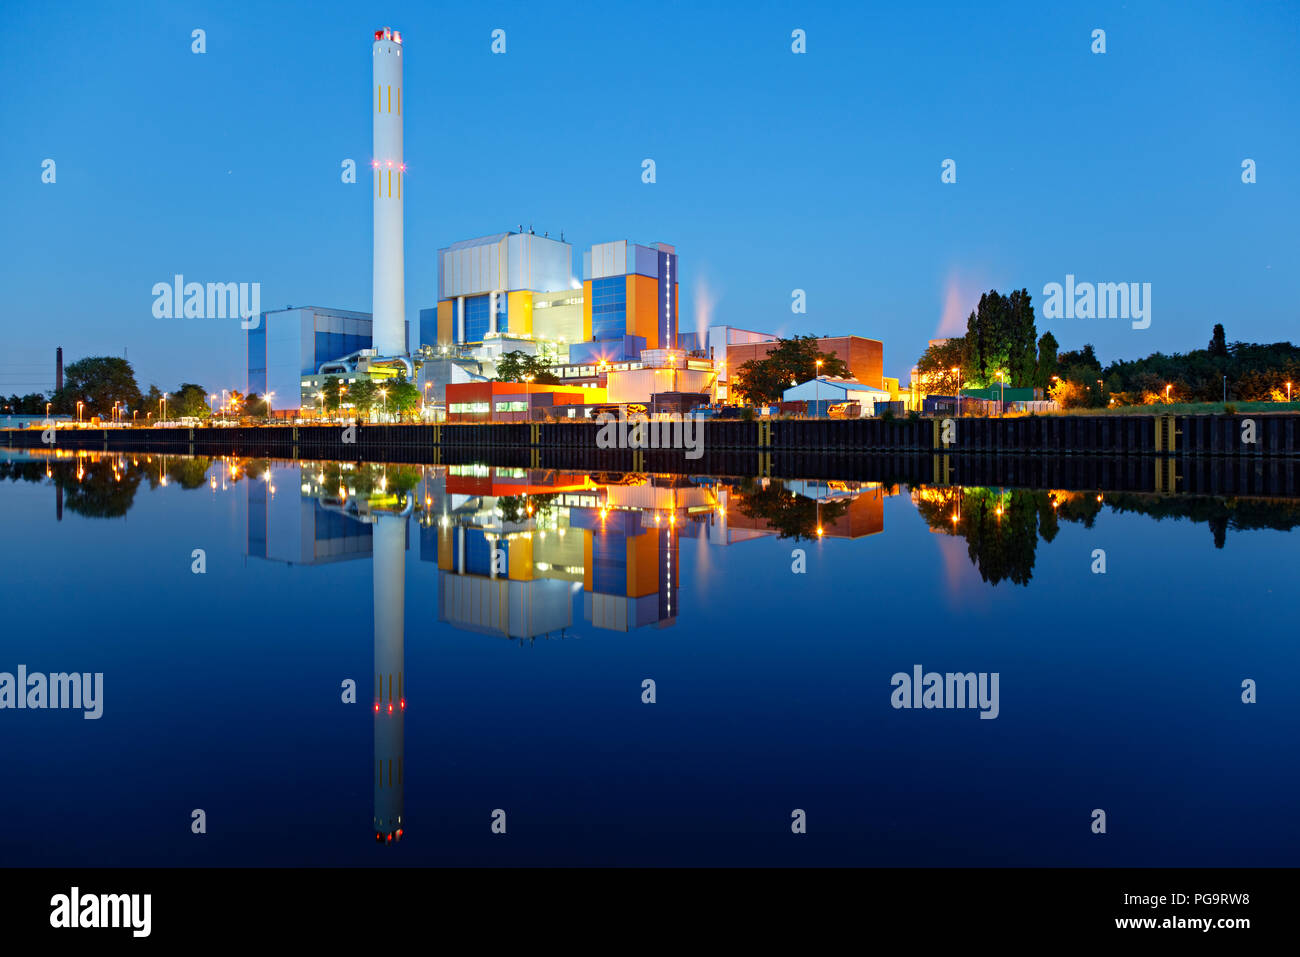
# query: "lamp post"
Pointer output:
{"type": "Point", "coordinates": [383, 394]}
{"type": "Point", "coordinates": [819, 388]}
{"type": "Point", "coordinates": [1168, 386]}
{"type": "Point", "coordinates": [1225, 388]}
{"type": "Point", "coordinates": [957, 369]}
{"type": "Point", "coordinates": [162, 407]}
{"type": "Point", "coordinates": [79, 405]}
{"type": "Point", "coordinates": [269, 397]}
{"type": "Point", "coordinates": [1288, 392]}
{"type": "Point", "coordinates": [1099, 390]}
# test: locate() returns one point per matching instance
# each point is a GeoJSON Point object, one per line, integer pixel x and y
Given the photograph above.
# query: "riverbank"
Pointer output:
{"type": "Point", "coordinates": [1245, 436]}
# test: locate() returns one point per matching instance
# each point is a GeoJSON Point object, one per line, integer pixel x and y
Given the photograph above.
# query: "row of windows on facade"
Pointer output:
{"type": "Point", "coordinates": [482, 408]}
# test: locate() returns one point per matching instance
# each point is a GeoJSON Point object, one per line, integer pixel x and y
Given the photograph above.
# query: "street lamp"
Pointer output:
{"type": "Point", "coordinates": [269, 397]}
{"type": "Point", "coordinates": [957, 369]}
{"type": "Point", "coordinates": [1168, 386]}
{"type": "Point", "coordinates": [162, 407]}
{"type": "Point", "coordinates": [79, 405]}
{"type": "Point", "coordinates": [1288, 392]}
{"type": "Point", "coordinates": [383, 394]}
{"type": "Point", "coordinates": [818, 387]}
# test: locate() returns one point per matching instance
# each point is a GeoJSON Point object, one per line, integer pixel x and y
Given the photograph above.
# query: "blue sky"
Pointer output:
{"type": "Point", "coordinates": [775, 171]}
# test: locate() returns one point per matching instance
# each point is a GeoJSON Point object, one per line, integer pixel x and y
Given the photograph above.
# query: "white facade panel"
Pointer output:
{"type": "Point", "coordinates": [606, 259]}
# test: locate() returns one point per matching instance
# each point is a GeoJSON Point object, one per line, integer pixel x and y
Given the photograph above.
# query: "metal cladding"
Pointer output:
{"type": "Point", "coordinates": [389, 293]}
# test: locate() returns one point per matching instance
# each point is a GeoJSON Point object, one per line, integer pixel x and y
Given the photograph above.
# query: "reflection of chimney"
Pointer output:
{"type": "Point", "coordinates": [389, 559]}
{"type": "Point", "coordinates": [58, 369]}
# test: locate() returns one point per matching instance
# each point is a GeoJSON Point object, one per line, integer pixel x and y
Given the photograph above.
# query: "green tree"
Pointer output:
{"type": "Point", "coordinates": [937, 363]}
{"type": "Point", "coordinates": [518, 366]}
{"type": "Point", "coordinates": [254, 406]}
{"type": "Point", "coordinates": [1218, 342]}
{"type": "Point", "coordinates": [1086, 356]}
{"type": "Point", "coordinates": [512, 366]}
{"type": "Point", "coordinates": [98, 381]}
{"type": "Point", "coordinates": [403, 397]}
{"type": "Point", "coordinates": [333, 395]}
{"type": "Point", "coordinates": [191, 399]}
{"type": "Point", "coordinates": [151, 405]}
{"type": "Point", "coordinates": [790, 362]}
{"type": "Point", "coordinates": [1000, 336]}
{"type": "Point", "coordinates": [1047, 361]}
{"type": "Point", "coordinates": [363, 394]}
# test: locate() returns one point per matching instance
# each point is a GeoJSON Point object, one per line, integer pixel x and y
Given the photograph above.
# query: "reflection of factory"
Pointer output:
{"type": "Point", "coordinates": [513, 547]}
{"type": "Point", "coordinates": [296, 516]}
{"type": "Point", "coordinates": [863, 512]}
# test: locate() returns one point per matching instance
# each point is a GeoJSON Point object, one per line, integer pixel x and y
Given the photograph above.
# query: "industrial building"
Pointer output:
{"type": "Point", "coordinates": [290, 344]}
{"type": "Point", "coordinates": [864, 357]}
{"type": "Point", "coordinates": [517, 401]}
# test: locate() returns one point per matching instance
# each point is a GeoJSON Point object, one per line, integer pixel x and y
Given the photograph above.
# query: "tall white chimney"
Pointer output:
{"type": "Point", "coordinates": [389, 292]}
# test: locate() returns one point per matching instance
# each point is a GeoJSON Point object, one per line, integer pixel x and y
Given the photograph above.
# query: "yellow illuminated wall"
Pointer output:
{"type": "Point", "coordinates": [446, 321]}
{"type": "Point", "coordinates": [445, 546]}
{"type": "Point", "coordinates": [519, 310]}
{"type": "Point", "coordinates": [521, 558]}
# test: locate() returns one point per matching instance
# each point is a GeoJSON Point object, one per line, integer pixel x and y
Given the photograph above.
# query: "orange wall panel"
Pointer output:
{"type": "Point", "coordinates": [643, 309]}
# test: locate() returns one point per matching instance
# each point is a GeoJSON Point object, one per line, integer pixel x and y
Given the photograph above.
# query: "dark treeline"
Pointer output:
{"type": "Point", "coordinates": [1244, 371]}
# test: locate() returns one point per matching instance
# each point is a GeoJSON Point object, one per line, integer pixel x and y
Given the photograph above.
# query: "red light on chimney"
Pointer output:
{"type": "Point", "coordinates": [379, 34]}
{"type": "Point", "coordinates": [376, 705]}
{"type": "Point", "coordinates": [403, 704]}
{"type": "Point", "coordinates": [390, 707]}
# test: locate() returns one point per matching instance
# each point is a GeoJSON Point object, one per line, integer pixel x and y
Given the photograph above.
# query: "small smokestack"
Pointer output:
{"type": "Point", "coordinates": [58, 369]}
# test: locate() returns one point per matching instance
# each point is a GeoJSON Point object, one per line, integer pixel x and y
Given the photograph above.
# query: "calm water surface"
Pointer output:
{"type": "Point", "coordinates": [522, 679]}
